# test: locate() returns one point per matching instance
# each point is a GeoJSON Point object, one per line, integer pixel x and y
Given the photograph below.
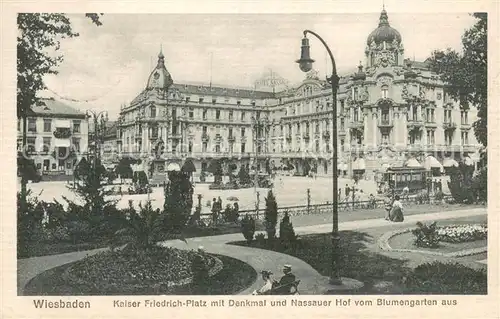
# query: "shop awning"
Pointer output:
{"type": "Point", "coordinates": [449, 162]}
{"type": "Point", "coordinates": [384, 167]}
{"type": "Point", "coordinates": [359, 164]}
{"type": "Point", "coordinates": [62, 142]}
{"type": "Point", "coordinates": [342, 167]}
{"type": "Point", "coordinates": [173, 167]}
{"type": "Point", "coordinates": [412, 163]}
{"type": "Point", "coordinates": [432, 162]}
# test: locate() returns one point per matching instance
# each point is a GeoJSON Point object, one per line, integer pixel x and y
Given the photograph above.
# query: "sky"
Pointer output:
{"type": "Point", "coordinates": [109, 65]}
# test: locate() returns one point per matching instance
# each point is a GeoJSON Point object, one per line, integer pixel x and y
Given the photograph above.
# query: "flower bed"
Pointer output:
{"type": "Point", "coordinates": [462, 233]}
{"type": "Point", "coordinates": [130, 269]}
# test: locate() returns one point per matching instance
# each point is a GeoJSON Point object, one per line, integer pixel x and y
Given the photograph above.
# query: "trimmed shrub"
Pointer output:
{"type": "Point", "coordinates": [287, 233]}
{"type": "Point", "coordinates": [480, 185]}
{"type": "Point", "coordinates": [271, 215]}
{"type": "Point", "coordinates": [244, 176]}
{"type": "Point", "coordinates": [248, 228]}
{"type": "Point", "coordinates": [178, 200]}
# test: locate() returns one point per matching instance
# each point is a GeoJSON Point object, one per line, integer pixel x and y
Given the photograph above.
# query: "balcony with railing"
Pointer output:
{"type": "Point", "coordinates": [414, 123]}
{"type": "Point", "coordinates": [385, 122]}
{"type": "Point", "coordinates": [205, 137]}
{"type": "Point", "coordinates": [356, 124]}
{"type": "Point", "coordinates": [465, 125]}
{"type": "Point", "coordinates": [449, 125]}
{"type": "Point", "coordinates": [430, 122]}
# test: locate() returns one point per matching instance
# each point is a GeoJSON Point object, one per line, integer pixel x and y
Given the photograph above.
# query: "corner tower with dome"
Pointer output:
{"type": "Point", "coordinates": [391, 112]}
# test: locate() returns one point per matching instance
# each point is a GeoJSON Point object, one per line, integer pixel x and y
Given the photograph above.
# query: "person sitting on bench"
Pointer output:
{"type": "Point", "coordinates": [268, 283]}
{"type": "Point", "coordinates": [286, 282]}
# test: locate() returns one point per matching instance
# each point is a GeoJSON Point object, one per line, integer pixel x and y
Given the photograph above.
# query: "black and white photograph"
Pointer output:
{"type": "Point", "coordinates": [253, 155]}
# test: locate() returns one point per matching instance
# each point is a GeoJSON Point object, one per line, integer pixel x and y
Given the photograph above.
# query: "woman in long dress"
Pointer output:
{"type": "Point", "coordinates": [396, 214]}
{"type": "Point", "coordinates": [268, 283]}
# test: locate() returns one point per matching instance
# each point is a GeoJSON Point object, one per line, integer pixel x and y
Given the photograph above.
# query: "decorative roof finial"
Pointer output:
{"type": "Point", "coordinates": [161, 56]}
{"type": "Point", "coordinates": [383, 5]}
{"type": "Point", "coordinates": [384, 19]}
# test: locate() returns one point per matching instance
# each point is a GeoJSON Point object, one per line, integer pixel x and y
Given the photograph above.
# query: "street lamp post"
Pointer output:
{"type": "Point", "coordinates": [255, 127]}
{"type": "Point", "coordinates": [305, 63]}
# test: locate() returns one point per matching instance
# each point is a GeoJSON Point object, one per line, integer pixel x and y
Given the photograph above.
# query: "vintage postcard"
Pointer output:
{"type": "Point", "coordinates": [248, 159]}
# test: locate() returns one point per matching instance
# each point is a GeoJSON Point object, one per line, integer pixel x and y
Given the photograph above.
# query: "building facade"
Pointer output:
{"type": "Point", "coordinates": [57, 136]}
{"type": "Point", "coordinates": [389, 111]}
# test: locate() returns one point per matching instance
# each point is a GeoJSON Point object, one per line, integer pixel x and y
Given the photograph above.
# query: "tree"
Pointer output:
{"type": "Point", "coordinates": [97, 210]}
{"type": "Point", "coordinates": [81, 169]}
{"type": "Point", "coordinates": [124, 168]}
{"type": "Point", "coordinates": [38, 41]}
{"type": "Point", "coordinates": [244, 176]}
{"type": "Point", "coordinates": [271, 215]}
{"type": "Point", "coordinates": [215, 168]}
{"type": "Point", "coordinates": [460, 183]}
{"type": "Point", "coordinates": [466, 73]}
{"type": "Point", "coordinates": [178, 200]}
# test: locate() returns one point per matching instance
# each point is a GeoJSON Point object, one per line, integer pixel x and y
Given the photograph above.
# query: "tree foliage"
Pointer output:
{"type": "Point", "coordinates": [466, 72]}
{"type": "Point", "coordinates": [38, 44]}
{"type": "Point", "coordinates": [143, 228]}
{"type": "Point", "coordinates": [244, 176]}
{"type": "Point", "coordinates": [124, 168]}
{"type": "Point", "coordinates": [91, 188]}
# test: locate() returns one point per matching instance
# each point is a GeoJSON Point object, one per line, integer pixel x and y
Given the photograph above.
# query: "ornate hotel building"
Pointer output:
{"type": "Point", "coordinates": [390, 110]}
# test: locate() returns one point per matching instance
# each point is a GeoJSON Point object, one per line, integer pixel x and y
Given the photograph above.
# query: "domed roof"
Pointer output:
{"type": "Point", "coordinates": [384, 32]}
{"type": "Point", "coordinates": [160, 78]}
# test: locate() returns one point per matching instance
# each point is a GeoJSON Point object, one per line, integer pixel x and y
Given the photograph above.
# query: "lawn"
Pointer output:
{"type": "Point", "coordinates": [46, 248]}
{"type": "Point", "coordinates": [380, 274]}
{"type": "Point", "coordinates": [234, 277]}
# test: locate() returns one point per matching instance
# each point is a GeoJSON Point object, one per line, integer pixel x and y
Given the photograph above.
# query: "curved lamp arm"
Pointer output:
{"type": "Point", "coordinates": [334, 80]}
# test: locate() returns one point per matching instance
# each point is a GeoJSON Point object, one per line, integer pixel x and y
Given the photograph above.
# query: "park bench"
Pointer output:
{"type": "Point", "coordinates": [288, 289]}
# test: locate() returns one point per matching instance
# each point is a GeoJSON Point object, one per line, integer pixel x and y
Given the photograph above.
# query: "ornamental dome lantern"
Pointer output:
{"type": "Point", "coordinates": [384, 32]}
{"type": "Point", "coordinates": [159, 78]}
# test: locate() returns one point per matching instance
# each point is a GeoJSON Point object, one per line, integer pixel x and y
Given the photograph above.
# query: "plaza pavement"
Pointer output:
{"type": "Point", "coordinates": [311, 281]}
{"type": "Point", "coordinates": [289, 191]}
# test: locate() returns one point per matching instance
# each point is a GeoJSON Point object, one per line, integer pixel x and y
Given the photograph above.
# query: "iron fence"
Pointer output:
{"type": "Point", "coordinates": [327, 208]}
